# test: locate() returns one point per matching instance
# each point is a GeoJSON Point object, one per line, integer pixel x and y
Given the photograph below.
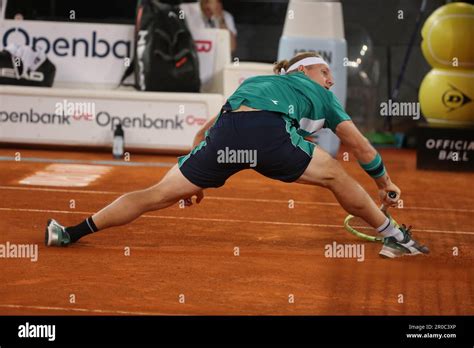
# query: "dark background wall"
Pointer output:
{"type": "Point", "coordinates": [260, 24]}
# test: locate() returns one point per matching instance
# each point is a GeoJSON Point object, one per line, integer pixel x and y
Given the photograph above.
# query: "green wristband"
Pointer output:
{"type": "Point", "coordinates": [375, 168]}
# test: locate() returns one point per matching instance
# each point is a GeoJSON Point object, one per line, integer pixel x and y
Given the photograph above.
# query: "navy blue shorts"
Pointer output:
{"type": "Point", "coordinates": [245, 140]}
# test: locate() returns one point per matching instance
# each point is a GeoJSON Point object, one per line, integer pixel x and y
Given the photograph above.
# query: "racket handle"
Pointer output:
{"type": "Point", "coordinates": [392, 196]}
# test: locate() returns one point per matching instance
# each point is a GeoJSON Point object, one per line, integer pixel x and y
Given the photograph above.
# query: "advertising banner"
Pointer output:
{"type": "Point", "coordinates": [93, 52]}
{"type": "Point", "coordinates": [156, 123]}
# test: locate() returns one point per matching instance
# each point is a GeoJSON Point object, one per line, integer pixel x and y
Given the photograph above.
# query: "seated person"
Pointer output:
{"type": "Point", "coordinates": [210, 14]}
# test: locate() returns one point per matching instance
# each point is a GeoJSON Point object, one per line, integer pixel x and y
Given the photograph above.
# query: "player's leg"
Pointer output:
{"type": "Point", "coordinates": [327, 172]}
{"type": "Point", "coordinates": [195, 171]}
{"type": "Point", "coordinates": [173, 187]}
{"type": "Point", "coordinates": [288, 157]}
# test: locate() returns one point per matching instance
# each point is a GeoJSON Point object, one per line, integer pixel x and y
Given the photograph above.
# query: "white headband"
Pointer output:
{"type": "Point", "coordinates": [304, 62]}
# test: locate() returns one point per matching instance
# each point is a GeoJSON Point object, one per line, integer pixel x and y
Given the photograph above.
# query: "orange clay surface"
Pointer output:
{"type": "Point", "coordinates": [281, 268]}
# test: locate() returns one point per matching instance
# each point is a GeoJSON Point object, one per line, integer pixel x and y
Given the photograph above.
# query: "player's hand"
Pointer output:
{"type": "Point", "coordinates": [386, 199]}
{"type": "Point", "coordinates": [199, 197]}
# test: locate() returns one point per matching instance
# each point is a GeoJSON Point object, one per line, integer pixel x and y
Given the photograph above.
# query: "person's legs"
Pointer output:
{"type": "Point", "coordinates": [195, 171]}
{"type": "Point", "coordinates": [173, 187]}
{"type": "Point", "coordinates": [325, 171]}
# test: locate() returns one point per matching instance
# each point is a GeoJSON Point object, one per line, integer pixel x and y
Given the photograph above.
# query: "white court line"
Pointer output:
{"type": "Point", "coordinates": [83, 161]}
{"type": "Point", "coordinates": [59, 190]}
{"type": "Point", "coordinates": [222, 198]}
{"type": "Point", "coordinates": [86, 310]}
{"type": "Point", "coordinates": [224, 220]}
{"type": "Point", "coordinates": [66, 175]}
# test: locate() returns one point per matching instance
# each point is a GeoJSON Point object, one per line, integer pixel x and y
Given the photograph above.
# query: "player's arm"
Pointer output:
{"type": "Point", "coordinates": [368, 158]}
{"type": "Point", "coordinates": [200, 135]}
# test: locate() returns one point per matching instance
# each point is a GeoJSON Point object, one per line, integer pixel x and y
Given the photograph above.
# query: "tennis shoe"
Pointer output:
{"type": "Point", "coordinates": [393, 248]}
{"type": "Point", "coordinates": [56, 235]}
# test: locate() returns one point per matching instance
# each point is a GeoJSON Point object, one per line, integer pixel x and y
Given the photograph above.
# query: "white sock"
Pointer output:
{"type": "Point", "coordinates": [388, 229]}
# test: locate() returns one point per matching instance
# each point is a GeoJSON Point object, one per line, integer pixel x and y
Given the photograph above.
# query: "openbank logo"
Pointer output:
{"type": "Point", "coordinates": [88, 46]}
{"type": "Point", "coordinates": [102, 119]}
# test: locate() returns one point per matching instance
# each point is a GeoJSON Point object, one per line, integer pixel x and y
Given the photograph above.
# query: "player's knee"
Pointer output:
{"type": "Point", "coordinates": [158, 198]}
{"type": "Point", "coordinates": [333, 173]}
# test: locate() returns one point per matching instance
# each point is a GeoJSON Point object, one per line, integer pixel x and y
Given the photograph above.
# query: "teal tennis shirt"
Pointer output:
{"type": "Point", "coordinates": [298, 98]}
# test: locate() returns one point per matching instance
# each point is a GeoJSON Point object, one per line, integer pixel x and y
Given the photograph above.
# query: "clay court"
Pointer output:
{"type": "Point", "coordinates": [191, 251]}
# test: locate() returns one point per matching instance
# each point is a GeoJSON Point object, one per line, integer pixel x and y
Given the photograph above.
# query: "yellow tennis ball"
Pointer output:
{"type": "Point", "coordinates": [447, 97]}
{"type": "Point", "coordinates": [448, 37]}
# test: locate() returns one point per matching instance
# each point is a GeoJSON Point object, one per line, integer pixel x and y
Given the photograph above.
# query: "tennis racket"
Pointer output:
{"type": "Point", "coordinates": [359, 227]}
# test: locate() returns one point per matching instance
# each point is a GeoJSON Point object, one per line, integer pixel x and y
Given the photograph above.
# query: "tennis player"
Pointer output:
{"type": "Point", "coordinates": [269, 117]}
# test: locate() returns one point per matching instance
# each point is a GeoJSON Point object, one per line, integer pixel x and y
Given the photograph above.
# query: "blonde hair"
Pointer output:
{"type": "Point", "coordinates": [285, 64]}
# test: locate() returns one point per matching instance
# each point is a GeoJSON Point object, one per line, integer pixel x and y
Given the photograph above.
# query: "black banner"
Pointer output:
{"type": "Point", "coordinates": [450, 149]}
{"type": "Point", "coordinates": [331, 330]}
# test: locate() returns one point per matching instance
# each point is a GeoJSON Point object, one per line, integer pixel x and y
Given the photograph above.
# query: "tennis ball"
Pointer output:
{"type": "Point", "coordinates": [447, 37]}
{"type": "Point", "coordinates": [447, 97]}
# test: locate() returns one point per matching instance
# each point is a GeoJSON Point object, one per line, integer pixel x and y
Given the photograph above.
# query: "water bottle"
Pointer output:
{"type": "Point", "coordinates": [119, 143]}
